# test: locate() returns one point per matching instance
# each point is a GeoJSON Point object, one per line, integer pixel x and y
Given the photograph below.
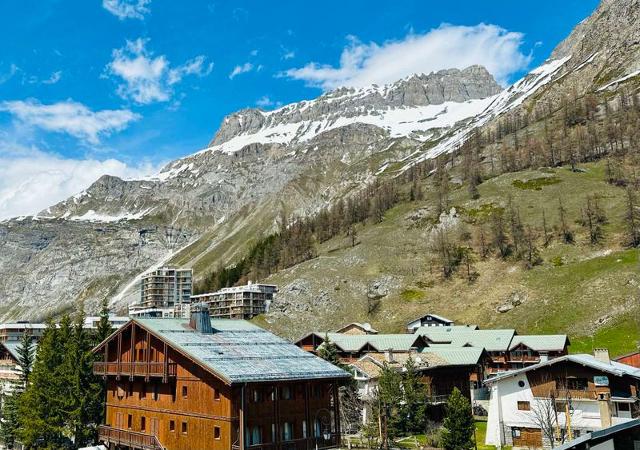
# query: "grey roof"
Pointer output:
{"type": "Point", "coordinates": [240, 352]}
{"type": "Point", "coordinates": [613, 367]}
{"type": "Point", "coordinates": [380, 342]}
{"type": "Point", "coordinates": [460, 336]}
{"type": "Point", "coordinates": [600, 434]}
{"type": "Point", "coordinates": [13, 346]}
{"type": "Point", "coordinates": [541, 342]}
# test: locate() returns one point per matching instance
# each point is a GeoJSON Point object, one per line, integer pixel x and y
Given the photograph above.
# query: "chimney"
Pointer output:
{"type": "Point", "coordinates": [200, 319]}
{"type": "Point", "coordinates": [604, 405]}
{"type": "Point", "coordinates": [389, 356]}
{"type": "Point", "coordinates": [602, 355]}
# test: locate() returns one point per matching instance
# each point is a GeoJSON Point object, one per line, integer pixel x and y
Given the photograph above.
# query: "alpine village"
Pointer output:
{"type": "Point", "coordinates": [439, 261]}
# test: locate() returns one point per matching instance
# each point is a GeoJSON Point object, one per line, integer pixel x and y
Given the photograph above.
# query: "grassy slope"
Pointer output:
{"type": "Point", "coordinates": [580, 289]}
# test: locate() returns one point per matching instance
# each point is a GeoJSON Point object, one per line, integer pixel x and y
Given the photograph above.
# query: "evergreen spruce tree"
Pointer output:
{"type": "Point", "coordinates": [104, 328]}
{"type": "Point", "coordinates": [389, 398]}
{"type": "Point", "coordinates": [329, 352]}
{"type": "Point", "coordinates": [458, 425]}
{"type": "Point", "coordinates": [10, 413]}
{"type": "Point", "coordinates": [42, 413]}
{"type": "Point", "coordinates": [414, 406]}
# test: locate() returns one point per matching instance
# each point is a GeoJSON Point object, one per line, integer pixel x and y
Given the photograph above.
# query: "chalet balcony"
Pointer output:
{"type": "Point", "coordinates": [296, 444]}
{"type": "Point", "coordinates": [140, 369]}
{"type": "Point", "coordinates": [128, 438]}
{"type": "Point", "coordinates": [524, 358]}
{"type": "Point", "coordinates": [577, 394]}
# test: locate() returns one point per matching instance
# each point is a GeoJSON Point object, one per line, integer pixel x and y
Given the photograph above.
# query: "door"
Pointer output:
{"type": "Point", "coordinates": [526, 437]}
{"type": "Point", "coordinates": [119, 421]}
{"type": "Point", "coordinates": [154, 431]}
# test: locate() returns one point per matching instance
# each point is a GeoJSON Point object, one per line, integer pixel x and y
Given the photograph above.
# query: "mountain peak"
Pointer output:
{"type": "Point", "coordinates": [448, 85]}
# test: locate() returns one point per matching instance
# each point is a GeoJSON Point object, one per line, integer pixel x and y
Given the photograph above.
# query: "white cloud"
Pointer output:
{"type": "Point", "coordinates": [237, 70]}
{"type": "Point", "coordinates": [266, 102]}
{"type": "Point", "coordinates": [447, 46]}
{"type": "Point", "coordinates": [32, 180]}
{"type": "Point", "coordinates": [148, 78]}
{"type": "Point", "coordinates": [127, 9]}
{"type": "Point", "coordinates": [70, 117]}
{"type": "Point", "coordinates": [6, 76]}
{"type": "Point", "coordinates": [54, 78]}
{"type": "Point", "coordinates": [288, 54]}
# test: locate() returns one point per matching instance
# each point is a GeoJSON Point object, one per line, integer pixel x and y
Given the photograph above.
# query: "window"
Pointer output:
{"type": "Point", "coordinates": [285, 393]}
{"type": "Point", "coordinates": [524, 406]}
{"type": "Point", "coordinates": [172, 425]}
{"type": "Point", "coordinates": [129, 389]}
{"type": "Point", "coordinates": [216, 433]}
{"type": "Point", "coordinates": [256, 436]}
{"type": "Point", "coordinates": [155, 391]}
{"type": "Point", "coordinates": [577, 384]}
{"type": "Point", "coordinates": [304, 429]}
{"type": "Point", "coordinates": [515, 433]}
{"type": "Point", "coordinates": [256, 396]}
{"type": "Point", "coordinates": [129, 421]}
{"type": "Point", "coordinates": [143, 423]}
{"type": "Point", "coordinates": [624, 407]}
{"type": "Point", "coordinates": [143, 391]}
{"type": "Point", "coordinates": [184, 392]}
{"type": "Point", "coordinates": [287, 431]}
{"type": "Point", "coordinates": [216, 394]}
{"type": "Point", "coordinates": [184, 427]}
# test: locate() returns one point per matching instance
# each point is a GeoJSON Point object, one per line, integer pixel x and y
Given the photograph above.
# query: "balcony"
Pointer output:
{"type": "Point", "coordinates": [296, 444]}
{"type": "Point", "coordinates": [524, 358]}
{"type": "Point", "coordinates": [577, 394]}
{"type": "Point", "coordinates": [141, 369]}
{"type": "Point", "coordinates": [127, 438]}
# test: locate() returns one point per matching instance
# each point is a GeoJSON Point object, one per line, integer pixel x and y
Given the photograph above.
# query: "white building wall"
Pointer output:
{"type": "Point", "coordinates": [504, 413]}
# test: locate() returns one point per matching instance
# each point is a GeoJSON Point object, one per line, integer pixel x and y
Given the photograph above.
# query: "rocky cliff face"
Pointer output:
{"type": "Point", "coordinates": [203, 209]}
{"type": "Point", "coordinates": [299, 158]}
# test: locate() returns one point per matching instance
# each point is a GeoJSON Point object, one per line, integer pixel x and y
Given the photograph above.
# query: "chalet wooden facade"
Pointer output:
{"type": "Point", "coordinates": [177, 384]}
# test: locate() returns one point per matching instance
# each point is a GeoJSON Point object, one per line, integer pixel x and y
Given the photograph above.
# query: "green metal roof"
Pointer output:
{"type": "Point", "coordinates": [462, 356]}
{"type": "Point", "coordinates": [461, 336]}
{"type": "Point", "coordinates": [240, 352]}
{"type": "Point", "coordinates": [380, 342]}
{"type": "Point", "coordinates": [542, 342]}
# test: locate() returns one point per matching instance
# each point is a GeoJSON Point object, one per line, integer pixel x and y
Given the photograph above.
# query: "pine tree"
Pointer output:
{"type": "Point", "coordinates": [458, 425]}
{"type": "Point", "coordinates": [414, 405]}
{"type": "Point", "coordinates": [42, 413]}
{"type": "Point", "coordinates": [632, 219]}
{"type": "Point", "coordinates": [329, 352]}
{"type": "Point", "coordinates": [389, 397]}
{"type": "Point", "coordinates": [10, 405]}
{"type": "Point", "coordinates": [104, 328]}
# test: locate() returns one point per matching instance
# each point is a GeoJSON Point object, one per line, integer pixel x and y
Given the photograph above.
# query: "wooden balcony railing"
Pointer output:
{"type": "Point", "coordinates": [524, 358]}
{"type": "Point", "coordinates": [154, 369]}
{"type": "Point", "coordinates": [133, 439]}
{"type": "Point", "coordinates": [295, 444]}
{"type": "Point", "coordinates": [562, 394]}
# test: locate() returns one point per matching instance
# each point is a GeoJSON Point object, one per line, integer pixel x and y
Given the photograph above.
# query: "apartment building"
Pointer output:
{"type": "Point", "coordinates": [238, 302]}
{"type": "Point", "coordinates": [164, 292]}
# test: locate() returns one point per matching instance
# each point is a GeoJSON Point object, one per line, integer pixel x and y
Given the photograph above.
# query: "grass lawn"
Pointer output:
{"type": "Point", "coordinates": [481, 433]}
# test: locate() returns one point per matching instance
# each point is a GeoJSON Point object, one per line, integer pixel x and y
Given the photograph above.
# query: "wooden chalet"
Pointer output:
{"type": "Point", "coordinates": [214, 384]}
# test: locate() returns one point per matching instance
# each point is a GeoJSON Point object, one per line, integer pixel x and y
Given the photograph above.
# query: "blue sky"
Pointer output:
{"type": "Point", "coordinates": [122, 86]}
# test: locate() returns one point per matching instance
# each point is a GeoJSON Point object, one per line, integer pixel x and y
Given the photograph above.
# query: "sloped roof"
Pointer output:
{"type": "Point", "coordinates": [462, 356]}
{"type": "Point", "coordinates": [363, 326]}
{"type": "Point", "coordinates": [380, 342]}
{"type": "Point", "coordinates": [435, 316]}
{"type": "Point", "coordinates": [372, 363]}
{"type": "Point", "coordinates": [612, 368]}
{"type": "Point", "coordinates": [541, 342]}
{"type": "Point", "coordinates": [600, 434]}
{"type": "Point", "coordinates": [460, 336]}
{"type": "Point", "coordinates": [13, 346]}
{"type": "Point", "coordinates": [240, 352]}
